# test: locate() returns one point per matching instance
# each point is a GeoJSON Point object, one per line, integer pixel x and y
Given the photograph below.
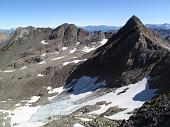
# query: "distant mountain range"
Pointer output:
{"type": "Point", "coordinates": [7, 31]}
{"type": "Point", "coordinates": [105, 28]}
{"type": "Point", "coordinates": [158, 26]}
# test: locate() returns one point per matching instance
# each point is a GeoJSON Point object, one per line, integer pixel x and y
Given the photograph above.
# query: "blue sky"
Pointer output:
{"type": "Point", "coordinates": [43, 13]}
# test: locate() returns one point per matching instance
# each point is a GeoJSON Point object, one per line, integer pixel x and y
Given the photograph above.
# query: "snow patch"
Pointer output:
{"type": "Point", "coordinates": [85, 119]}
{"type": "Point", "coordinates": [9, 71]}
{"type": "Point", "coordinates": [22, 115]}
{"type": "Point", "coordinates": [24, 67]}
{"type": "Point", "coordinates": [40, 75]}
{"type": "Point", "coordinates": [73, 50]}
{"type": "Point", "coordinates": [57, 58]}
{"type": "Point", "coordinates": [43, 42]}
{"type": "Point", "coordinates": [78, 43]}
{"type": "Point", "coordinates": [74, 61]}
{"type": "Point", "coordinates": [49, 88]}
{"type": "Point", "coordinates": [88, 49]}
{"type": "Point", "coordinates": [44, 54]}
{"type": "Point", "coordinates": [50, 98]}
{"type": "Point", "coordinates": [103, 41]}
{"type": "Point", "coordinates": [34, 99]}
{"type": "Point", "coordinates": [56, 90]}
{"type": "Point", "coordinates": [78, 125]}
{"type": "Point", "coordinates": [135, 96]}
{"type": "Point", "coordinates": [43, 62]}
{"type": "Point", "coordinates": [64, 48]}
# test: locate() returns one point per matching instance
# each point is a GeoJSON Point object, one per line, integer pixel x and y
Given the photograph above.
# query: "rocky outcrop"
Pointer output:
{"type": "Point", "coordinates": [24, 34]}
{"type": "Point", "coordinates": [155, 113]}
{"type": "Point", "coordinates": [127, 57]}
{"type": "Point", "coordinates": [69, 34]}
{"type": "Point", "coordinates": [58, 32]}
{"type": "Point", "coordinates": [3, 37]}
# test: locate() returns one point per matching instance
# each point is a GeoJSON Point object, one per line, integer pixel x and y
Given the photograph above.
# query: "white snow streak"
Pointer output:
{"type": "Point", "coordinates": [43, 62]}
{"type": "Point", "coordinates": [57, 58]}
{"type": "Point", "coordinates": [9, 71]}
{"type": "Point", "coordinates": [74, 61]}
{"type": "Point", "coordinates": [43, 42]}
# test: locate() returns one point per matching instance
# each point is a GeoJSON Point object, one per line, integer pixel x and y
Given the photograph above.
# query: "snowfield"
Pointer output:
{"type": "Point", "coordinates": [89, 49]}
{"type": "Point", "coordinates": [84, 93]}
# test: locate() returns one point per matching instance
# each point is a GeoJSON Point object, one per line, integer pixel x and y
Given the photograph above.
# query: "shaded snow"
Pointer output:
{"type": "Point", "coordinates": [43, 42]}
{"type": "Point", "coordinates": [74, 61]}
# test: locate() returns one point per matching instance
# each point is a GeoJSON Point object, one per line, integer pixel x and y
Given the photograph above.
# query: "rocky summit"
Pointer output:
{"type": "Point", "coordinates": [71, 77]}
{"type": "Point", "coordinates": [128, 56]}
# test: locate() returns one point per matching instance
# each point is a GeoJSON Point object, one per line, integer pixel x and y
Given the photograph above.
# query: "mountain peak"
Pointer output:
{"type": "Point", "coordinates": [134, 22]}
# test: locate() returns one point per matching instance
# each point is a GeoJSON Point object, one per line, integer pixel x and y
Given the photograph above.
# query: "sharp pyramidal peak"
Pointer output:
{"type": "Point", "coordinates": [127, 57]}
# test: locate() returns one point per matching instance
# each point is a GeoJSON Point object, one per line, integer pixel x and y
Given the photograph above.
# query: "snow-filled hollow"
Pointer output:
{"type": "Point", "coordinates": [84, 93]}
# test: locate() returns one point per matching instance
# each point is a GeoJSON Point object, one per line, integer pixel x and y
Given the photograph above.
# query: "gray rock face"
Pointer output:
{"type": "Point", "coordinates": [58, 32]}
{"type": "Point", "coordinates": [3, 37]}
{"type": "Point", "coordinates": [24, 34]}
{"type": "Point", "coordinates": [69, 34]}
{"type": "Point", "coordinates": [83, 35]}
